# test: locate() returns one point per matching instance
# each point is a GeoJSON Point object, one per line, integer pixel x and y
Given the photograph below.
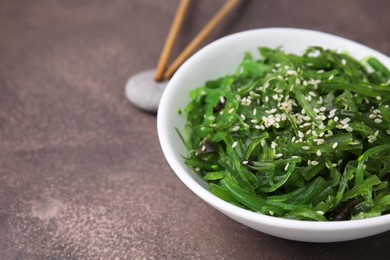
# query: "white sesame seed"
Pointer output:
{"type": "Point", "coordinates": [255, 121]}
{"type": "Point", "coordinates": [300, 134]}
{"type": "Point", "coordinates": [322, 109]}
{"type": "Point", "coordinates": [311, 93]}
{"type": "Point", "coordinates": [245, 162]}
{"type": "Point", "coordinates": [319, 141]}
{"type": "Point", "coordinates": [344, 62]}
{"type": "Point", "coordinates": [378, 120]}
{"type": "Point", "coordinates": [345, 121]}
{"type": "Point", "coordinates": [295, 157]}
{"type": "Point", "coordinates": [234, 145]}
{"type": "Point", "coordinates": [211, 118]}
{"type": "Point", "coordinates": [231, 110]}
{"type": "Point", "coordinates": [273, 145]}
{"type": "Point", "coordinates": [263, 143]}
{"type": "Point", "coordinates": [319, 153]}
{"type": "Point", "coordinates": [286, 167]}
{"type": "Point", "coordinates": [314, 163]}
{"type": "Point", "coordinates": [320, 71]}
{"type": "Point", "coordinates": [254, 111]}
{"type": "Point", "coordinates": [333, 111]}
{"type": "Point", "coordinates": [307, 118]}
{"type": "Point", "coordinates": [378, 98]}
{"type": "Point", "coordinates": [266, 99]}
{"type": "Point", "coordinates": [308, 132]}
{"type": "Point", "coordinates": [336, 118]}
{"type": "Point", "coordinates": [349, 129]}
{"type": "Point", "coordinates": [314, 133]}
{"type": "Point", "coordinates": [335, 145]}
{"type": "Point", "coordinates": [278, 155]}
{"type": "Point", "coordinates": [331, 77]}
{"type": "Point", "coordinates": [321, 127]}
{"type": "Point", "coordinates": [293, 138]}
{"type": "Point", "coordinates": [236, 128]}
{"type": "Point", "coordinates": [305, 147]}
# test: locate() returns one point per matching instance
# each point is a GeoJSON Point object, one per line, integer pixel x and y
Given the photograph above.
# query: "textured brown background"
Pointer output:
{"type": "Point", "coordinates": [82, 175]}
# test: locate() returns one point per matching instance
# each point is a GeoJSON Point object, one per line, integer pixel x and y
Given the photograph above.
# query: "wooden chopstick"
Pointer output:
{"type": "Point", "coordinates": [201, 37]}
{"type": "Point", "coordinates": [171, 39]}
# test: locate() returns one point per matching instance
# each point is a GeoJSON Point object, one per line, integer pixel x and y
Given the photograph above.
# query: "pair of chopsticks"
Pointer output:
{"type": "Point", "coordinates": [162, 72]}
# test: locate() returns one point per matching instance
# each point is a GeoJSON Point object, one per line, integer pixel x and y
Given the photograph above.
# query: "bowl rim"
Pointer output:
{"type": "Point", "coordinates": [204, 194]}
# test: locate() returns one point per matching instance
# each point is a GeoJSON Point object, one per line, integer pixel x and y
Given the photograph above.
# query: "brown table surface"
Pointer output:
{"type": "Point", "coordinates": [82, 175]}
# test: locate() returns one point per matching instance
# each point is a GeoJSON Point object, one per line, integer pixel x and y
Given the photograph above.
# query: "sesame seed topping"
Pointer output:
{"type": "Point", "coordinates": [314, 163]}
{"type": "Point", "coordinates": [286, 167]}
{"type": "Point", "coordinates": [305, 147]}
{"type": "Point", "coordinates": [234, 145]}
{"type": "Point", "coordinates": [378, 120]}
{"type": "Point", "coordinates": [335, 145]}
{"type": "Point", "coordinates": [278, 155]}
{"type": "Point", "coordinates": [319, 153]}
{"type": "Point", "coordinates": [236, 128]}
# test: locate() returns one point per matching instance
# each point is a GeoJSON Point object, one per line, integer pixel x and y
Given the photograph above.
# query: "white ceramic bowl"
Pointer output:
{"type": "Point", "coordinates": [220, 58]}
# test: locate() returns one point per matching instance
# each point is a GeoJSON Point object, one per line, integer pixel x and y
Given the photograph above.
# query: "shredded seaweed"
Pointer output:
{"type": "Point", "coordinates": [300, 137]}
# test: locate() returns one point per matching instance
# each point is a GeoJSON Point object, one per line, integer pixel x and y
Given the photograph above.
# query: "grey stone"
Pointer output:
{"type": "Point", "coordinates": [144, 92]}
